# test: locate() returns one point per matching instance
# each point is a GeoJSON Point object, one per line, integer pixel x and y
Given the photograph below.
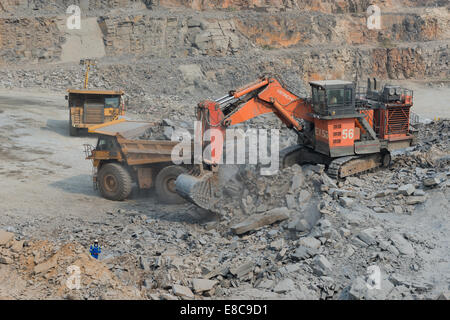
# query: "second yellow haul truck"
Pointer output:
{"type": "Point", "coordinates": [88, 108]}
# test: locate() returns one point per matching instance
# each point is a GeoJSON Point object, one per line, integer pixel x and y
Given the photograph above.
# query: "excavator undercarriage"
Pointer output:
{"type": "Point", "coordinates": [338, 168]}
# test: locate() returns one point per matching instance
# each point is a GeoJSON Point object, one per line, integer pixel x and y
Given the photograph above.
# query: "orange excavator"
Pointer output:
{"type": "Point", "coordinates": [347, 131]}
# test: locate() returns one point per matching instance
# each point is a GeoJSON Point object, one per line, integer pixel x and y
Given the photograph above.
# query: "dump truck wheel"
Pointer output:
{"type": "Point", "coordinates": [165, 184]}
{"type": "Point", "coordinates": [114, 182]}
{"type": "Point", "coordinates": [73, 131]}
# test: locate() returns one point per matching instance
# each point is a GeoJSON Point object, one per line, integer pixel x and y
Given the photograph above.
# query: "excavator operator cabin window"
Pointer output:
{"type": "Point", "coordinates": [321, 95]}
{"type": "Point", "coordinates": [321, 98]}
{"type": "Point", "coordinates": [335, 96]}
{"type": "Point", "coordinates": [318, 99]}
{"type": "Point", "coordinates": [348, 96]}
{"type": "Point", "coordinates": [314, 96]}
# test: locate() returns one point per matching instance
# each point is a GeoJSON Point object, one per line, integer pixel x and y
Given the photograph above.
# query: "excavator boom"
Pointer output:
{"type": "Point", "coordinates": [264, 96]}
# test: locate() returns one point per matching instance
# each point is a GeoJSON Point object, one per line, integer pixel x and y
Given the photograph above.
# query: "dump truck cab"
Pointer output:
{"type": "Point", "coordinates": [92, 107]}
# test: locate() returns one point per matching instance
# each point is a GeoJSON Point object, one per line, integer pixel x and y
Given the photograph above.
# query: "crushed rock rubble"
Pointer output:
{"type": "Point", "coordinates": [295, 235]}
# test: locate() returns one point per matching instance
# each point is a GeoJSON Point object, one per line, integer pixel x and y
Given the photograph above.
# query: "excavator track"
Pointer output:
{"type": "Point", "coordinates": [337, 168]}
{"type": "Point", "coordinates": [353, 165]}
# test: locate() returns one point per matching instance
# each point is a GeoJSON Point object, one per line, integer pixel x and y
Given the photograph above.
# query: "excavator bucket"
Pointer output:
{"type": "Point", "coordinates": [199, 190]}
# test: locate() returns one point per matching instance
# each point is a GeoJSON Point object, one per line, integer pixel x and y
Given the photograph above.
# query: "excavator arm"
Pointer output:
{"type": "Point", "coordinates": [266, 95]}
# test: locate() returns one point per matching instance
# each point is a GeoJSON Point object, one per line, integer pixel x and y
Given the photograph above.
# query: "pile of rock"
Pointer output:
{"type": "Point", "coordinates": [37, 269]}
{"type": "Point", "coordinates": [248, 193]}
{"type": "Point", "coordinates": [293, 235]}
{"type": "Point", "coordinates": [169, 129]}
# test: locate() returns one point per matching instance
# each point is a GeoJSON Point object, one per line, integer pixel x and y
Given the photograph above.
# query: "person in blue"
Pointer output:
{"type": "Point", "coordinates": [95, 250]}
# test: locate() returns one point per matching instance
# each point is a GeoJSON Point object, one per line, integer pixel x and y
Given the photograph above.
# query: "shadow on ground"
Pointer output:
{"type": "Point", "coordinates": [80, 184]}
{"type": "Point", "coordinates": [61, 127]}
{"type": "Point", "coordinates": [139, 202]}
{"type": "Point", "coordinates": [58, 126]}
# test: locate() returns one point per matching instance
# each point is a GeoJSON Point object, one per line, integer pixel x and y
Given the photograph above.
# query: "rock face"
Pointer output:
{"type": "Point", "coordinates": [148, 41]}
{"type": "Point", "coordinates": [228, 32]}
{"type": "Point", "coordinates": [163, 36]}
{"type": "Point", "coordinates": [30, 39]}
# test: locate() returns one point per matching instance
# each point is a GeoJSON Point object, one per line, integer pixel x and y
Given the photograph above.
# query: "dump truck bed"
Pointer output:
{"type": "Point", "coordinates": [133, 150]}
{"type": "Point", "coordinates": [125, 128]}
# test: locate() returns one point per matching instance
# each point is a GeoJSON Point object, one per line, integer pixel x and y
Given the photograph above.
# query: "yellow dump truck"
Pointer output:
{"type": "Point", "coordinates": [122, 159]}
{"type": "Point", "coordinates": [88, 108]}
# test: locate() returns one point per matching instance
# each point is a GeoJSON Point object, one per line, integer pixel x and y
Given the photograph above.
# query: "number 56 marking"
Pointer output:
{"type": "Point", "coordinates": [348, 133]}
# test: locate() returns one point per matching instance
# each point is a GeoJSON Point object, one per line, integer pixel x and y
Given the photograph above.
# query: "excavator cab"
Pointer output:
{"type": "Point", "coordinates": [333, 97]}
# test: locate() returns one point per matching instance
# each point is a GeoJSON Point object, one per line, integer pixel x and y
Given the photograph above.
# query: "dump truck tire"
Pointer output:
{"type": "Point", "coordinates": [114, 182]}
{"type": "Point", "coordinates": [165, 184]}
{"type": "Point", "coordinates": [73, 131]}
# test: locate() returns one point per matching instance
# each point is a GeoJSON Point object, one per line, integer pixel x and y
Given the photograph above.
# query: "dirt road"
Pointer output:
{"type": "Point", "coordinates": [430, 101]}
{"type": "Point", "coordinates": [43, 170]}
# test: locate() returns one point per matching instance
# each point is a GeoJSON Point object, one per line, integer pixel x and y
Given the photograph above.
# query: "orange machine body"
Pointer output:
{"type": "Point", "coordinates": [332, 123]}
{"type": "Point", "coordinates": [335, 137]}
{"type": "Point", "coordinates": [393, 122]}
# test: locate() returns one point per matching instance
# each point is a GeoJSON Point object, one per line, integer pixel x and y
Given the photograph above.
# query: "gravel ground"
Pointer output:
{"type": "Point", "coordinates": [395, 219]}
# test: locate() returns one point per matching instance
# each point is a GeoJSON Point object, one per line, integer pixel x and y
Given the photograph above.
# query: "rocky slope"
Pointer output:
{"type": "Point", "coordinates": [217, 45]}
